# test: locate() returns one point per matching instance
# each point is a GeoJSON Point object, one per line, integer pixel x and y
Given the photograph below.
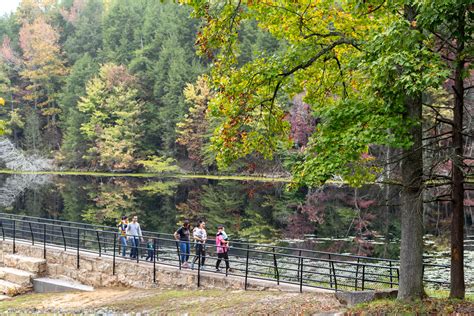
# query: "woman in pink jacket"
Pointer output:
{"type": "Point", "coordinates": [222, 248]}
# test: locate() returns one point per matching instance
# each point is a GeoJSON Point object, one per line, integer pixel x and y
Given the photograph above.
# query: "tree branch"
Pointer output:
{"type": "Point", "coordinates": [322, 52]}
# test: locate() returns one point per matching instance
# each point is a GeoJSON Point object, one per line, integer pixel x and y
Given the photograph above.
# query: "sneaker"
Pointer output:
{"type": "Point", "coordinates": [218, 270]}
{"type": "Point", "coordinates": [185, 265]}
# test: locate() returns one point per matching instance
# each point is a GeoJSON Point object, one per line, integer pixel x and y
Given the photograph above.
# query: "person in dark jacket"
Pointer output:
{"type": "Point", "coordinates": [182, 236]}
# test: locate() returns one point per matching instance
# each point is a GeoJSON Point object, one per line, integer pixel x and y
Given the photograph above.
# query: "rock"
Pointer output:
{"type": "Point", "coordinates": [16, 276]}
{"type": "Point", "coordinates": [382, 294]}
{"type": "Point", "coordinates": [357, 297]}
{"type": "Point", "coordinates": [33, 265]}
{"type": "Point", "coordinates": [12, 289]}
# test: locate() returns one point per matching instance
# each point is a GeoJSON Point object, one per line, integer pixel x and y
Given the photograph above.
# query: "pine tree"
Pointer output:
{"type": "Point", "coordinates": [86, 37]}
{"type": "Point", "coordinates": [74, 143]}
{"type": "Point", "coordinates": [32, 132]}
{"type": "Point", "coordinates": [122, 34]}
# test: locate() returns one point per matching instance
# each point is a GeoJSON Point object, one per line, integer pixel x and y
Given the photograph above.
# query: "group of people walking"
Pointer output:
{"type": "Point", "coordinates": [199, 235]}
{"type": "Point", "coordinates": [130, 233]}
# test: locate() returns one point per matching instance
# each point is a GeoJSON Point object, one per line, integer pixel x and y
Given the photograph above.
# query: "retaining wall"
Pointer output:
{"type": "Point", "coordinates": [98, 271]}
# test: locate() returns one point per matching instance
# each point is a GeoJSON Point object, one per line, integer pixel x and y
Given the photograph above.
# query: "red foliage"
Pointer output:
{"type": "Point", "coordinates": [301, 120]}
{"type": "Point", "coordinates": [298, 225]}
{"type": "Point", "coordinates": [7, 53]}
{"type": "Point", "coordinates": [314, 206]}
{"type": "Point", "coordinates": [73, 14]}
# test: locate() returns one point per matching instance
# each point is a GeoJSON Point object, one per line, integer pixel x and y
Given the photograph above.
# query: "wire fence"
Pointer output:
{"type": "Point", "coordinates": [301, 267]}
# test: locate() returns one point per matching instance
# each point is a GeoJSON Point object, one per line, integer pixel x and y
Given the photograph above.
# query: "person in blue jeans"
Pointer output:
{"type": "Point", "coordinates": [122, 226]}
{"type": "Point", "coordinates": [182, 236]}
{"type": "Point", "coordinates": [134, 234]}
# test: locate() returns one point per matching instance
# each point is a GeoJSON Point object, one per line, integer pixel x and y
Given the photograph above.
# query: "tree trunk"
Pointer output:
{"type": "Point", "coordinates": [411, 248]}
{"type": "Point", "coordinates": [457, 221]}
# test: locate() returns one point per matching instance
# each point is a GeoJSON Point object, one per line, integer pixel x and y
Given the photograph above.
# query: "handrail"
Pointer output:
{"type": "Point", "coordinates": [95, 226]}
{"type": "Point", "coordinates": [302, 269]}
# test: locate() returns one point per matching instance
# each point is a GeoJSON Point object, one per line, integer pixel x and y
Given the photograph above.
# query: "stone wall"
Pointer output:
{"type": "Point", "coordinates": [97, 271]}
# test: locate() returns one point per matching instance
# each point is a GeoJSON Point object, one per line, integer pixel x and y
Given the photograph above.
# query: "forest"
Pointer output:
{"type": "Point", "coordinates": [114, 85]}
{"type": "Point", "coordinates": [351, 91]}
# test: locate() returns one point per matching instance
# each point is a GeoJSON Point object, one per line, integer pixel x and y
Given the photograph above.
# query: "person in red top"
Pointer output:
{"type": "Point", "coordinates": [222, 248]}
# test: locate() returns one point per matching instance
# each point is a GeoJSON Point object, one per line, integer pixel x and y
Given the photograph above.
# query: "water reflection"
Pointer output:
{"type": "Point", "coordinates": [12, 187]}
{"type": "Point", "coordinates": [334, 218]}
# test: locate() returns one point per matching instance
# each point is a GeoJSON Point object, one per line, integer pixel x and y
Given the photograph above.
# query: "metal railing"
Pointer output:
{"type": "Point", "coordinates": [301, 267]}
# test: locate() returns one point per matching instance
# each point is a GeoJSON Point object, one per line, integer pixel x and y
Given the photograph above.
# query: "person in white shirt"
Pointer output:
{"type": "Point", "coordinates": [134, 234]}
{"type": "Point", "coordinates": [200, 238]}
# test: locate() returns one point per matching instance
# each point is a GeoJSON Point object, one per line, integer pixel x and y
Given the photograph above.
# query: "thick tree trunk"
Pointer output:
{"type": "Point", "coordinates": [411, 245]}
{"type": "Point", "coordinates": [411, 248]}
{"type": "Point", "coordinates": [457, 221]}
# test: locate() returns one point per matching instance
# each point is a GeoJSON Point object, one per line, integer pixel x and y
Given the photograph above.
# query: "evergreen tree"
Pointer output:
{"type": "Point", "coordinates": [74, 143]}
{"type": "Point", "coordinates": [86, 38]}
{"type": "Point", "coordinates": [122, 33]}
{"type": "Point", "coordinates": [32, 131]}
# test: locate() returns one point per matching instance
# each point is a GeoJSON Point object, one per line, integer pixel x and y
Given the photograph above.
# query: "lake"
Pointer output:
{"type": "Point", "coordinates": [334, 218]}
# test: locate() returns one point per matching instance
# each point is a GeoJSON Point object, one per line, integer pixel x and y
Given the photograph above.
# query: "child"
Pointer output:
{"type": "Point", "coordinates": [150, 250]}
{"type": "Point", "coordinates": [122, 226]}
{"type": "Point", "coordinates": [224, 235]}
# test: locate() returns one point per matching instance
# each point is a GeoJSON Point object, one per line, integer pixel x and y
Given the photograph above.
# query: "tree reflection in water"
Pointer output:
{"type": "Point", "coordinates": [332, 218]}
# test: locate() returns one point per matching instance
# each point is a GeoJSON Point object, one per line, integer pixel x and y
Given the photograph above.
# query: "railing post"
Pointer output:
{"type": "Point", "coordinates": [179, 254]}
{"type": "Point", "coordinates": [105, 242]}
{"type": "Point", "coordinates": [391, 277]}
{"type": "Point", "coordinates": [32, 235]}
{"type": "Point", "coordinates": [246, 267]}
{"type": "Point", "coordinates": [299, 266]}
{"type": "Point", "coordinates": [301, 276]}
{"type": "Point", "coordinates": [199, 268]}
{"type": "Point", "coordinates": [154, 260]}
{"type": "Point", "coordinates": [334, 273]}
{"type": "Point", "coordinates": [363, 277]}
{"type": "Point", "coordinates": [277, 274]}
{"type": "Point", "coordinates": [423, 272]}
{"type": "Point", "coordinates": [357, 273]}
{"type": "Point", "coordinates": [3, 231]}
{"type": "Point", "coordinates": [137, 247]}
{"type": "Point", "coordinates": [78, 237]}
{"type": "Point", "coordinates": [330, 273]}
{"type": "Point", "coordinates": [64, 238]}
{"type": "Point", "coordinates": [115, 248]}
{"type": "Point", "coordinates": [44, 241]}
{"type": "Point", "coordinates": [14, 236]}
{"type": "Point", "coordinates": [398, 276]}
{"type": "Point", "coordinates": [98, 241]}
{"type": "Point", "coordinates": [157, 239]}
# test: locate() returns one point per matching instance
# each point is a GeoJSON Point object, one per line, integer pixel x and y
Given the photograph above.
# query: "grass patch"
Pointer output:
{"type": "Point", "coordinates": [172, 301]}
{"type": "Point", "coordinates": [432, 306]}
{"type": "Point", "coordinates": [25, 301]}
{"type": "Point", "coordinates": [187, 301]}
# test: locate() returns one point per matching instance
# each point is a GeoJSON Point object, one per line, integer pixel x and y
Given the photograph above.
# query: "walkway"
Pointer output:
{"type": "Point", "coordinates": [299, 267]}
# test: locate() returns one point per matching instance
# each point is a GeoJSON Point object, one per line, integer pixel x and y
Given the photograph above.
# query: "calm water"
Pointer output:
{"type": "Point", "coordinates": [333, 218]}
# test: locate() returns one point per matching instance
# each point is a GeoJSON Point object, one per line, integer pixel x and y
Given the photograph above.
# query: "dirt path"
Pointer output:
{"type": "Point", "coordinates": [194, 302]}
